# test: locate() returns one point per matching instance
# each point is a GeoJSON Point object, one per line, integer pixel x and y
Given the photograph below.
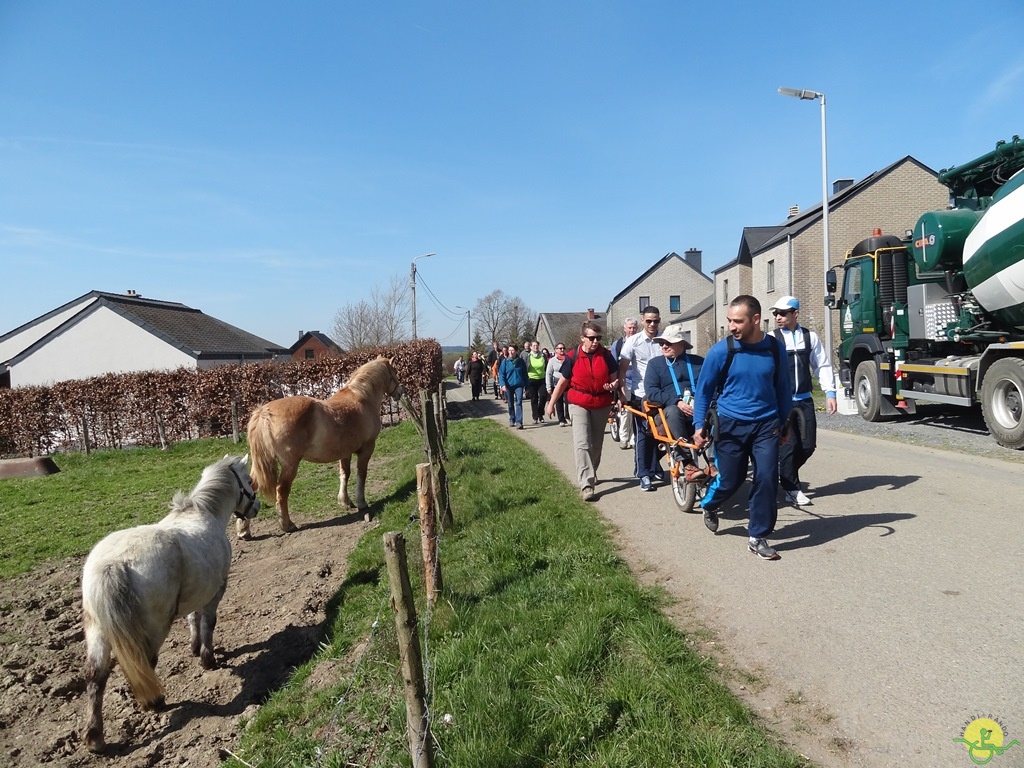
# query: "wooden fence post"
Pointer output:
{"type": "Point", "coordinates": [161, 432]}
{"type": "Point", "coordinates": [439, 478]}
{"type": "Point", "coordinates": [85, 435]}
{"type": "Point", "coordinates": [234, 420]}
{"type": "Point", "coordinates": [428, 531]}
{"type": "Point", "coordinates": [439, 427]}
{"type": "Point", "coordinates": [402, 605]}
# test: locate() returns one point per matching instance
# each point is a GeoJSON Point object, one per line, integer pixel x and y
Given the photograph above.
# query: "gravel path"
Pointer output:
{"type": "Point", "coordinates": [936, 426]}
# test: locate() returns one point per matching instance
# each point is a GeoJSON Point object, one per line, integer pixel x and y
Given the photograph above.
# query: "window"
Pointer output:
{"type": "Point", "coordinates": [645, 301]}
{"type": "Point", "coordinates": [725, 291]}
{"type": "Point", "coordinates": [310, 354]}
{"type": "Point", "coordinates": [771, 275]}
{"type": "Point", "coordinates": [673, 305]}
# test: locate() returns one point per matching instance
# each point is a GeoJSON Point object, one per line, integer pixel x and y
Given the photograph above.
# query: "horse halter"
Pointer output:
{"type": "Point", "coordinates": [244, 493]}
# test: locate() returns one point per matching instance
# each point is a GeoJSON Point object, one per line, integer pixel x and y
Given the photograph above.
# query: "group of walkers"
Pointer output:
{"type": "Point", "coordinates": [753, 380]}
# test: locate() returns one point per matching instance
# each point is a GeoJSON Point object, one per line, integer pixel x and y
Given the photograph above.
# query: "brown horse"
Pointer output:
{"type": "Point", "coordinates": [291, 429]}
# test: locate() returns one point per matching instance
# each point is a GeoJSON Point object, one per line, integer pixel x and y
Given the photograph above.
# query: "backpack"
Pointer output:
{"type": "Point", "coordinates": [711, 420]}
{"type": "Point", "coordinates": [733, 349]}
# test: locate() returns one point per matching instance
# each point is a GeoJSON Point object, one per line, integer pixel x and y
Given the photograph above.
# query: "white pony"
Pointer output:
{"type": "Point", "coordinates": [137, 581]}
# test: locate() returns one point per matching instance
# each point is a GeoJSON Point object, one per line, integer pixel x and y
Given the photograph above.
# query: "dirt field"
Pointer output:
{"type": "Point", "coordinates": [269, 622]}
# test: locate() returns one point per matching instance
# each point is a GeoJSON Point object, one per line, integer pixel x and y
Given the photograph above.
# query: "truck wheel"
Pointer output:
{"type": "Point", "coordinates": [867, 392]}
{"type": "Point", "coordinates": [1002, 402]}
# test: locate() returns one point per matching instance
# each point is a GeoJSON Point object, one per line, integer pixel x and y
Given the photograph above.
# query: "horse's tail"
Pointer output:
{"type": "Point", "coordinates": [263, 464]}
{"type": "Point", "coordinates": [113, 608]}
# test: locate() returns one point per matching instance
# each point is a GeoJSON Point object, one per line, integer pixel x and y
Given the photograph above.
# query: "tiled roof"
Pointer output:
{"type": "Point", "coordinates": [323, 338]}
{"type": "Point", "coordinates": [565, 326]}
{"type": "Point", "coordinates": [189, 329]}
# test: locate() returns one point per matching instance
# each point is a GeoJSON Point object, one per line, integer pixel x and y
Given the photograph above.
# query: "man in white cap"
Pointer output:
{"type": "Point", "coordinates": [670, 381]}
{"type": "Point", "coordinates": [806, 355]}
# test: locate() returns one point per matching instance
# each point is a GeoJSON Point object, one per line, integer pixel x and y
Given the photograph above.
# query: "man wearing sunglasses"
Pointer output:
{"type": "Point", "coordinates": [637, 351]}
{"type": "Point", "coordinates": [806, 354]}
{"type": "Point", "coordinates": [589, 380]}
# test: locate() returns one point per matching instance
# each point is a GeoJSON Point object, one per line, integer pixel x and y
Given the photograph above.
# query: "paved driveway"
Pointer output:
{"type": "Point", "coordinates": [894, 618]}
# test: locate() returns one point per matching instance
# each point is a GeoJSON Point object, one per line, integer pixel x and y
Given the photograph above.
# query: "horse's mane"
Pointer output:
{"type": "Point", "coordinates": [216, 481]}
{"type": "Point", "coordinates": [370, 378]}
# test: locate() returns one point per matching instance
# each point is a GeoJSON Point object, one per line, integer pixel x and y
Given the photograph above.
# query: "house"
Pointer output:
{"type": "Point", "coordinates": [565, 327]}
{"type": "Point", "coordinates": [313, 345]}
{"type": "Point", "coordinates": [734, 278]}
{"type": "Point", "coordinates": [789, 258]}
{"type": "Point", "coordinates": [677, 287]}
{"type": "Point", "coordinates": [100, 333]}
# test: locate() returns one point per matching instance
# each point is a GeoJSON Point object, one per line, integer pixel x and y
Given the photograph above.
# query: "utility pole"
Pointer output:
{"type": "Point", "coordinates": [412, 289]}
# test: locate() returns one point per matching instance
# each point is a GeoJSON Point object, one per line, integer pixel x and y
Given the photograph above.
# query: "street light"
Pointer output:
{"type": "Point", "coordinates": [811, 96]}
{"type": "Point", "coordinates": [412, 289]}
{"type": "Point", "coordinates": [469, 343]}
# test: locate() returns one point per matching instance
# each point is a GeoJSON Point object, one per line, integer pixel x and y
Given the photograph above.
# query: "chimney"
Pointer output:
{"type": "Point", "coordinates": [693, 257]}
{"type": "Point", "coordinates": [131, 292]}
{"type": "Point", "coordinates": [794, 210]}
{"type": "Point", "coordinates": [590, 313]}
{"type": "Point", "coordinates": [840, 184]}
{"type": "Point", "coordinates": [301, 334]}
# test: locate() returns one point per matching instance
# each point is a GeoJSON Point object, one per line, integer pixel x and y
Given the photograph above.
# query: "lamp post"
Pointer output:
{"type": "Point", "coordinates": [811, 96]}
{"type": "Point", "coordinates": [412, 289]}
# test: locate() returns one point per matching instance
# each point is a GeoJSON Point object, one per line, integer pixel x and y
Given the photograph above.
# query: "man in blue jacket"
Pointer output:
{"type": "Point", "coordinates": [748, 374]}
{"type": "Point", "coordinates": [511, 380]}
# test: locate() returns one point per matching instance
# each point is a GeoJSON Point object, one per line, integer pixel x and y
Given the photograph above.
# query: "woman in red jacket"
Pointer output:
{"type": "Point", "coordinates": [590, 376]}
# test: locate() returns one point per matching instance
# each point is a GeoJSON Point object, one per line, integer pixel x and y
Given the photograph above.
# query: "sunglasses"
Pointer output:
{"type": "Point", "coordinates": [782, 312]}
{"type": "Point", "coordinates": [652, 322]}
{"type": "Point", "coordinates": [593, 338]}
{"type": "Point", "coordinates": [558, 348]}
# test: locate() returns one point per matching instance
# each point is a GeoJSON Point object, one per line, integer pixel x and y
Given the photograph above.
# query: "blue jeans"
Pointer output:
{"type": "Point", "coordinates": [645, 457]}
{"type": "Point", "coordinates": [514, 398]}
{"type": "Point", "coordinates": [737, 444]}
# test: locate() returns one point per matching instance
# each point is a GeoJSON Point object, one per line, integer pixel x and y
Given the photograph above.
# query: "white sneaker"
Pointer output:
{"type": "Point", "coordinates": [797, 498]}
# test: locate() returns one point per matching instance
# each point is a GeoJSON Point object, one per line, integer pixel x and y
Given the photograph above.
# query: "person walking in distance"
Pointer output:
{"type": "Point", "coordinates": [512, 379]}
{"type": "Point", "coordinates": [551, 377]}
{"type": "Point", "coordinates": [806, 356]}
{"type": "Point", "coordinates": [629, 328]}
{"type": "Point", "coordinates": [746, 376]}
{"type": "Point", "coordinates": [536, 364]}
{"type": "Point", "coordinates": [494, 356]}
{"type": "Point", "coordinates": [475, 371]}
{"type": "Point", "coordinates": [669, 382]}
{"type": "Point", "coordinates": [637, 350]}
{"type": "Point", "coordinates": [589, 380]}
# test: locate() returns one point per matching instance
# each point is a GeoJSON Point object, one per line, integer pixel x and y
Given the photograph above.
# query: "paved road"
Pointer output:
{"type": "Point", "coordinates": [894, 618]}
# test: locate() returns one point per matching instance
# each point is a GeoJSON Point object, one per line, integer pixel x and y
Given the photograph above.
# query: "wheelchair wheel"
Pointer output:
{"type": "Point", "coordinates": [684, 493]}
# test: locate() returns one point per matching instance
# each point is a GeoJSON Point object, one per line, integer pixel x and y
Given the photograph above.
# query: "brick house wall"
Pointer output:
{"type": "Point", "coordinates": [676, 276]}
{"type": "Point", "coordinates": [893, 202]}
{"type": "Point", "coordinates": [312, 349]}
{"type": "Point", "coordinates": [730, 281]}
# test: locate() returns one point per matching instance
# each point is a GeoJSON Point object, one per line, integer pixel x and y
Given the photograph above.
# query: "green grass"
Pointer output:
{"type": "Point", "coordinates": [543, 649]}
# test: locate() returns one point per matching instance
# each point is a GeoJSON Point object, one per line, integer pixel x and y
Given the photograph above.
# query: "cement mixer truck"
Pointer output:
{"type": "Point", "coordinates": [937, 316]}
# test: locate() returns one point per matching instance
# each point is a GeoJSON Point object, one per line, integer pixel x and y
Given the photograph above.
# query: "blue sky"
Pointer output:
{"type": "Point", "coordinates": [269, 163]}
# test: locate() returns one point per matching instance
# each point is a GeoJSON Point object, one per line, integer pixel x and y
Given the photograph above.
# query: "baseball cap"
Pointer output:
{"type": "Point", "coordinates": [787, 302]}
{"type": "Point", "coordinates": [673, 334]}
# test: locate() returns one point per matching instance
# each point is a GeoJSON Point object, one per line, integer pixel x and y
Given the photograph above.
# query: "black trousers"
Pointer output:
{"type": "Point", "coordinates": [803, 439]}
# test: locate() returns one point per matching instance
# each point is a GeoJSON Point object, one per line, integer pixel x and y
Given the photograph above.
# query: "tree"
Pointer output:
{"type": "Point", "coordinates": [504, 318]}
{"type": "Point", "coordinates": [385, 319]}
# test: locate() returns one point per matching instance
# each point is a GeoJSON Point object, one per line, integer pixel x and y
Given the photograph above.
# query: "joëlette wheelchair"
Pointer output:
{"type": "Point", "coordinates": [685, 491]}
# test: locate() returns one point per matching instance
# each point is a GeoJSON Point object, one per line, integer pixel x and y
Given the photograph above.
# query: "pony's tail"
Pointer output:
{"type": "Point", "coordinates": [112, 607]}
{"type": "Point", "coordinates": [263, 458]}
